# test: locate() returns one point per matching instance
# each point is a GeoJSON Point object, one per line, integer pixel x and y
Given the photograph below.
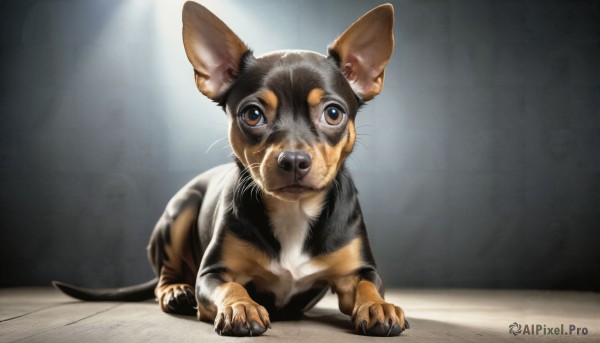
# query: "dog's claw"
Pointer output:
{"type": "Point", "coordinates": [256, 328]}
{"type": "Point", "coordinates": [226, 327]}
{"type": "Point", "coordinates": [241, 319]}
{"type": "Point", "coordinates": [240, 330]}
{"type": "Point", "coordinates": [378, 319]}
{"type": "Point", "coordinates": [178, 299]}
{"type": "Point", "coordinates": [390, 330]}
{"type": "Point", "coordinates": [391, 325]}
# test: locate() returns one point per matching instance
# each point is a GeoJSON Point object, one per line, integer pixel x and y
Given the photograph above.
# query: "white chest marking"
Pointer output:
{"type": "Point", "coordinates": [291, 226]}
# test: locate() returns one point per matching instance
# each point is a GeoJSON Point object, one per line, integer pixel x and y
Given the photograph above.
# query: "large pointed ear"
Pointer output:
{"type": "Point", "coordinates": [364, 49]}
{"type": "Point", "coordinates": [212, 48]}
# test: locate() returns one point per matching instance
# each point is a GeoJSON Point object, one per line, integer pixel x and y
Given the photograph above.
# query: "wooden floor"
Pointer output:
{"type": "Point", "coordinates": [45, 315]}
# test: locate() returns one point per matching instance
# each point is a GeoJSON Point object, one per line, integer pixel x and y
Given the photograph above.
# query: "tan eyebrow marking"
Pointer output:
{"type": "Point", "coordinates": [269, 98]}
{"type": "Point", "coordinates": [314, 97]}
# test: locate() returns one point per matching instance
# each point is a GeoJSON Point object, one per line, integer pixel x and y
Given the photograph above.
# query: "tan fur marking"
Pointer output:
{"type": "Point", "coordinates": [179, 266]}
{"type": "Point", "coordinates": [236, 139]}
{"type": "Point", "coordinates": [350, 139]}
{"type": "Point", "coordinates": [367, 292]}
{"type": "Point", "coordinates": [340, 267]}
{"type": "Point", "coordinates": [345, 288]}
{"type": "Point", "coordinates": [251, 156]}
{"type": "Point", "coordinates": [242, 259]}
{"type": "Point", "coordinates": [342, 261]}
{"type": "Point", "coordinates": [270, 99]}
{"type": "Point", "coordinates": [229, 293]}
{"type": "Point", "coordinates": [352, 293]}
{"type": "Point", "coordinates": [331, 158]}
{"type": "Point", "coordinates": [314, 97]}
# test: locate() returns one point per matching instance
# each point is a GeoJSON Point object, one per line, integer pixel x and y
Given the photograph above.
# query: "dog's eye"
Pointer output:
{"type": "Point", "coordinates": [253, 116]}
{"type": "Point", "coordinates": [332, 116]}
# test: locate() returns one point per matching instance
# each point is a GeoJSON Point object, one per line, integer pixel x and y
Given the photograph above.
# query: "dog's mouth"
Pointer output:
{"type": "Point", "coordinates": [295, 189]}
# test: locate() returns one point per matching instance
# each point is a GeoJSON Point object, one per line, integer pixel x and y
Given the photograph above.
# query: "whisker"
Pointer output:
{"type": "Point", "coordinates": [260, 150]}
{"type": "Point", "coordinates": [215, 142]}
{"type": "Point", "coordinates": [360, 142]}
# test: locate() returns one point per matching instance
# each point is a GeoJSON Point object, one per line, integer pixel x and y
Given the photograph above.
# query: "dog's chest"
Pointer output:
{"type": "Point", "coordinates": [293, 270]}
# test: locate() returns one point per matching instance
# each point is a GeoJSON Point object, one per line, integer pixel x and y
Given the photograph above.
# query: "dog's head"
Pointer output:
{"type": "Point", "coordinates": [291, 113]}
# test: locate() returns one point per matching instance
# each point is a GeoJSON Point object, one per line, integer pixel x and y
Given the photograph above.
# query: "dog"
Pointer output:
{"type": "Point", "coordinates": [267, 235]}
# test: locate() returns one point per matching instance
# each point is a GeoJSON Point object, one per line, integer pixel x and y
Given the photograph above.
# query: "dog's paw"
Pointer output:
{"type": "Point", "coordinates": [379, 319]}
{"type": "Point", "coordinates": [242, 318]}
{"type": "Point", "coordinates": [177, 299]}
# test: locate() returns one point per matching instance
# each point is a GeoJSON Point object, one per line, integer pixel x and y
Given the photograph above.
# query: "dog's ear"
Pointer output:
{"type": "Point", "coordinates": [364, 49]}
{"type": "Point", "coordinates": [212, 48]}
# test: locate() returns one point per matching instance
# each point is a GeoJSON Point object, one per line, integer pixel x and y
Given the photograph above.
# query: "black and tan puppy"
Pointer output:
{"type": "Point", "coordinates": [269, 234]}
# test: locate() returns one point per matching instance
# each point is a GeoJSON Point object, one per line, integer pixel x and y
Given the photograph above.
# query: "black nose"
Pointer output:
{"type": "Point", "coordinates": [297, 162]}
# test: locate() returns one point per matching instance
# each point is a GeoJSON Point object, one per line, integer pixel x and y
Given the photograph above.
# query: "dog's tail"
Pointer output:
{"type": "Point", "coordinates": [139, 292]}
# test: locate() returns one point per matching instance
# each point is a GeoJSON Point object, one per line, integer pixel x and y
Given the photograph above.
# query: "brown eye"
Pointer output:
{"type": "Point", "coordinates": [253, 116]}
{"type": "Point", "coordinates": [332, 116]}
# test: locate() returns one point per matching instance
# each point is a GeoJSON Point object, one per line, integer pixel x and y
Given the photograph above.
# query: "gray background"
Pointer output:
{"type": "Point", "coordinates": [478, 165]}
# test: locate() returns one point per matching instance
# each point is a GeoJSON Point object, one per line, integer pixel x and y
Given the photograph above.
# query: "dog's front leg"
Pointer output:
{"type": "Point", "coordinates": [230, 306]}
{"type": "Point", "coordinates": [361, 296]}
